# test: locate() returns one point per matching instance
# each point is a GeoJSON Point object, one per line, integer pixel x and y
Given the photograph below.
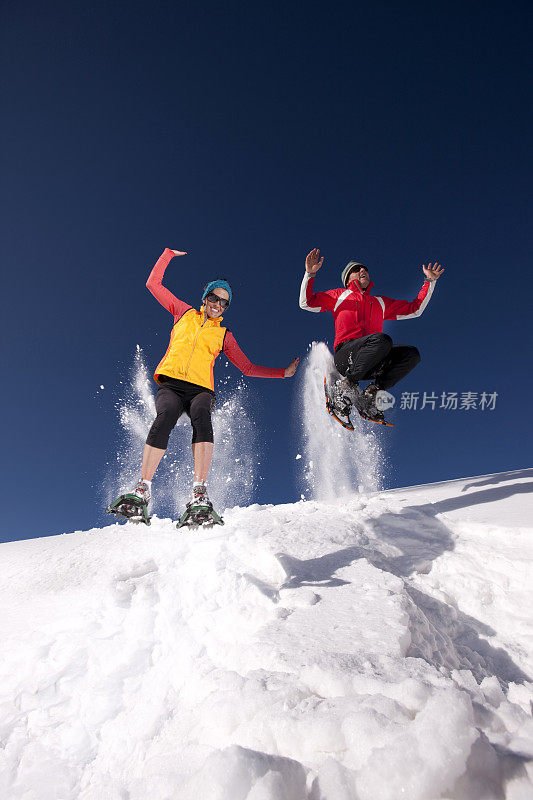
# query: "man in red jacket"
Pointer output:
{"type": "Point", "coordinates": [362, 350]}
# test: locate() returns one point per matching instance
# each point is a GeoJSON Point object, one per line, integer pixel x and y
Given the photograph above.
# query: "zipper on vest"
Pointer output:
{"type": "Point", "coordinates": [193, 346]}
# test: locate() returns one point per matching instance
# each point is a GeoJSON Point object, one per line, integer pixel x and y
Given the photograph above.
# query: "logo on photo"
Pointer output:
{"type": "Point", "coordinates": [384, 400]}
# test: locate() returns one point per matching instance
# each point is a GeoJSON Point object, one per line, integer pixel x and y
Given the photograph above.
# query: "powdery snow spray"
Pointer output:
{"type": "Point", "coordinates": [337, 462]}
{"type": "Point", "coordinates": [233, 473]}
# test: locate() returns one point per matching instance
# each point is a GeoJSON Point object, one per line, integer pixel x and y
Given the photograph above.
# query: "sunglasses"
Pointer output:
{"type": "Point", "coordinates": [214, 298]}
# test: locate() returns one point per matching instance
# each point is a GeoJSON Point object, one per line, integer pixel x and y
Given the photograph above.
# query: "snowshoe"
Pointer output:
{"type": "Point", "coordinates": [377, 417]}
{"type": "Point", "coordinates": [132, 507]}
{"type": "Point", "coordinates": [365, 404]}
{"type": "Point", "coordinates": [338, 404]}
{"type": "Point", "coordinates": [199, 514]}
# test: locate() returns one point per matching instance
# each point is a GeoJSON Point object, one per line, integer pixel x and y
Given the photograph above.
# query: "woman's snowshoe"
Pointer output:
{"type": "Point", "coordinates": [131, 507]}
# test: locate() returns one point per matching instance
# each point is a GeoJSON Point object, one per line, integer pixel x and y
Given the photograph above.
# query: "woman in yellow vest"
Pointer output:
{"type": "Point", "coordinates": [185, 379]}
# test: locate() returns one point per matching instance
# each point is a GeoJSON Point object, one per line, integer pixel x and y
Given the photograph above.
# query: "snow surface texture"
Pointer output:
{"type": "Point", "coordinates": [377, 649]}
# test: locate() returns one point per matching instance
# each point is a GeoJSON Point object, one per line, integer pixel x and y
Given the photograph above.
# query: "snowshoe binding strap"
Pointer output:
{"type": "Point", "coordinates": [197, 514]}
{"type": "Point", "coordinates": [380, 420]}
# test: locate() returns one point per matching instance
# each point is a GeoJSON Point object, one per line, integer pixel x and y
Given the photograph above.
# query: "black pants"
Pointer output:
{"type": "Point", "coordinates": [172, 399]}
{"type": "Point", "coordinates": [375, 357]}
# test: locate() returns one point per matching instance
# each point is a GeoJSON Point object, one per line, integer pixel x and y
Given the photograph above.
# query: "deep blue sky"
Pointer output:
{"type": "Point", "coordinates": [246, 134]}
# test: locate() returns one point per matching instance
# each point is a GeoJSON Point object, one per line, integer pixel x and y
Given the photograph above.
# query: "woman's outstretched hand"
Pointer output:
{"type": "Point", "coordinates": [291, 369]}
{"type": "Point", "coordinates": [178, 252]}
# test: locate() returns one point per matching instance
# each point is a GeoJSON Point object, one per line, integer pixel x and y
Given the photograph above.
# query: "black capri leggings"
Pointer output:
{"type": "Point", "coordinates": [171, 402]}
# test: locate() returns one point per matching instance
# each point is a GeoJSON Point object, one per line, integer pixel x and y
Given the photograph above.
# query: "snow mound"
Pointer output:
{"type": "Point", "coordinates": [376, 649]}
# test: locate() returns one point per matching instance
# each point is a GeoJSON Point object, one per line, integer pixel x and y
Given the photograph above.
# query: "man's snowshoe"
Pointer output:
{"type": "Point", "coordinates": [377, 417]}
{"type": "Point", "coordinates": [132, 507]}
{"type": "Point", "coordinates": [338, 404]}
{"type": "Point", "coordinates": [365, 404]}
{"type": "Point", "coordinates": [199, 514]}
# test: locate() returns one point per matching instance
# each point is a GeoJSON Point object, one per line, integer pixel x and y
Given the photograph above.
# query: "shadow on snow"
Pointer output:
{"type": "Point", "coordinates": [405, 544]}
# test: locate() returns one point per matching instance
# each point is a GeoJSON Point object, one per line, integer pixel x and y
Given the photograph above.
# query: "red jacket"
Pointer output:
{"type": "Point", "coordinates": [178, 308]}
{"type": "Point", "coordinates": [357, 313]}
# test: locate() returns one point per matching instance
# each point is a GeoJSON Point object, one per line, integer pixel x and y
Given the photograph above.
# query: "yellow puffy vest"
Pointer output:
{"type": "Point", "coordinates": [194, 344]}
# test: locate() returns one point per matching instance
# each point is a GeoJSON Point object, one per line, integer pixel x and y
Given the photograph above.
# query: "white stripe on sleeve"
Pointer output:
{"type": "Point", "coordinates": [381, 302]}
{"type": "Point", "coordinates": [303, 294]}
{"type": "Point", "coordinates": [423, 304]}
{"type": "Point", "coordinates": [342, 297]}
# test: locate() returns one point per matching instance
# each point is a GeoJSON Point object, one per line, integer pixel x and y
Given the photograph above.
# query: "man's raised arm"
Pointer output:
{"type": "Point", "coordinates": [404, 309]}
{"type": "Point", "coordinates": [310, 300]}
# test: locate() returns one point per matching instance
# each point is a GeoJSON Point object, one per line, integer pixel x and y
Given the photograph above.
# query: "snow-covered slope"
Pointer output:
{"type": "Point", "coordinates": [377, 650]}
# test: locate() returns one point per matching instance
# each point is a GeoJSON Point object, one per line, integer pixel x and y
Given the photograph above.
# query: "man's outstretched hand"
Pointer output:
{"type": "Point", "coordinates": [178, 252]}
{"type": "Point", "coordinates": [313, 262]}
{"type": "Point", "coordinates": [433, 271]}
{"type": "Point", "coordinates": [291, 369]}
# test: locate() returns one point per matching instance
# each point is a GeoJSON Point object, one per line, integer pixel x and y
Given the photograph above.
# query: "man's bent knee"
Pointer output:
{"type": "Point", "coordinates": [380, 337]}
{"type": "Point", "coordinates": [415, 356]}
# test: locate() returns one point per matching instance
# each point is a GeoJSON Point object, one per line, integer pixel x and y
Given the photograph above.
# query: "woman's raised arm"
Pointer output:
{"type": "Point", "coordinates": [155, 284]}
